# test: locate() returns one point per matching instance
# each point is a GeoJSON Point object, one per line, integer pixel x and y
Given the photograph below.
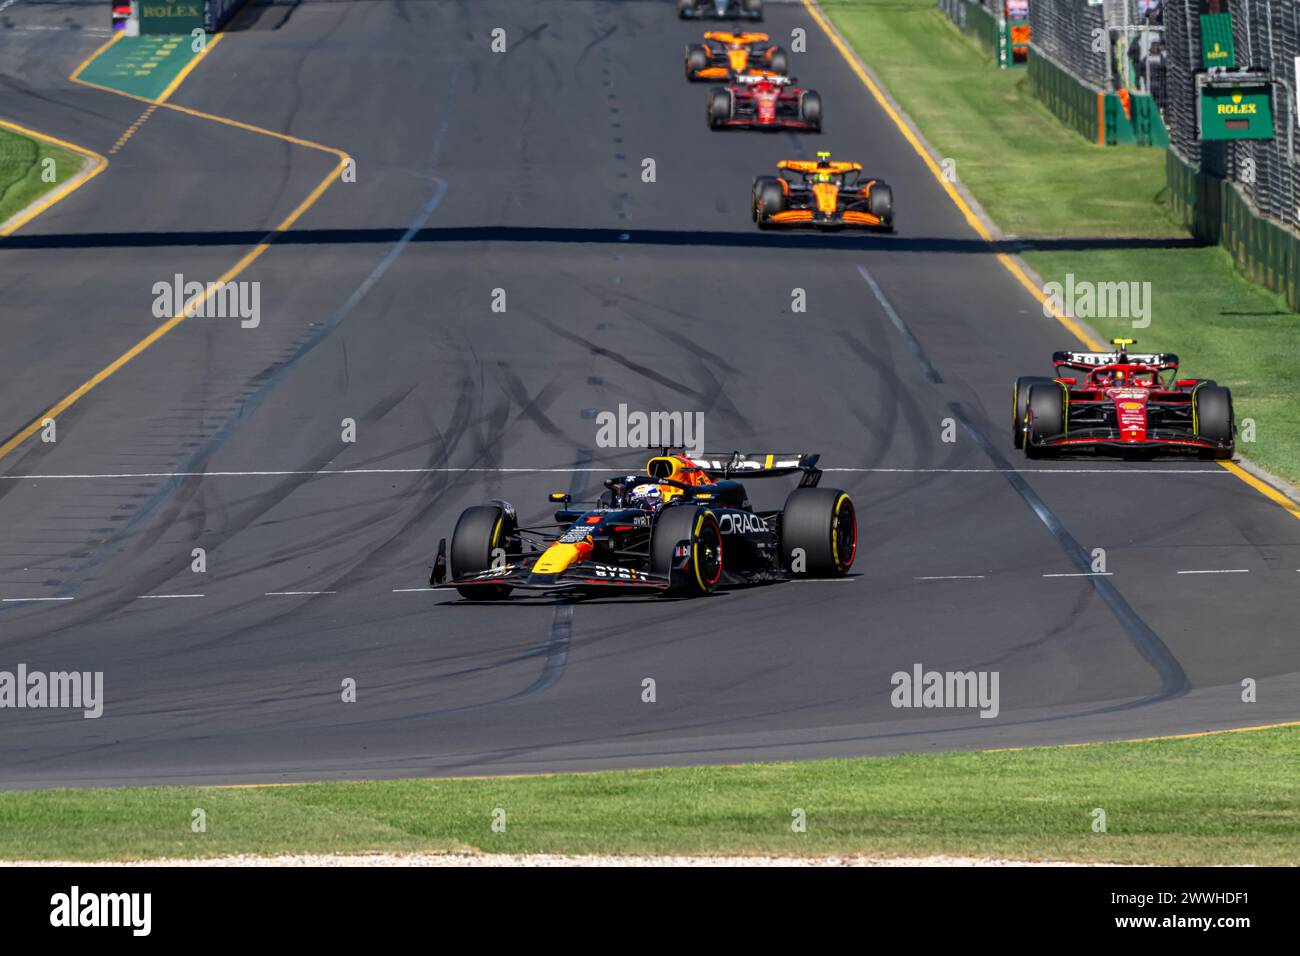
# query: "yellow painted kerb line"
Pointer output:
{"type": "Point", "coordinates": [95, 165]}
{"type": "Point", "coordinates": [192, 306]}
{"type": "Point", "coordinates": [1007, 261]}
{"type": "Point", "coordinates": [189, 67]}
{"type": "Point", "coordinates": [1150, 740]}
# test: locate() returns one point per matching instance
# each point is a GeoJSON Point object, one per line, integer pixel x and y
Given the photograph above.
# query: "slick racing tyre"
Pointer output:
{"type": "Point", "coordinates": [699, 528]}
{"type": "Point", "coordinates": [810, 109]}
{"type": "Point", "coordinates": [752, 8]}
{"type": "Point", "coordinates": [720, 106]}
{"type": "Point", "coordinates": [1045, 418]}
{"type": "Point", "coordinates": [769, 199]}
{"type": "Point", "coordinates": [1020, 403]}
{"type": "Point", "coordinates": [819, 532]}
{"type": "Point", "coordinates": [481, 530]}
{"type": "Point", "coordinates": [684, 8]}
{"type": "Point", "coordinates": [881, 202]}
{"type": "Point", "coordinates": [697, 58]}
{"type": "Point", "coordinates": [1213, 407]}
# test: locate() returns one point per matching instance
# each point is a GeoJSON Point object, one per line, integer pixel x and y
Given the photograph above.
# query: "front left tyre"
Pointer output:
{"type": "Point", "coordinates": [881, 203]}
{"type": "Point", "coordinates": [810, 109]}
{"type": "Point", "coordinates": [1214, 419]}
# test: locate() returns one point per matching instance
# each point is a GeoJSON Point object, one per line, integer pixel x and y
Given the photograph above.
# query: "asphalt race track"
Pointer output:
{"type": "Point", "coordinates": [522, 171]}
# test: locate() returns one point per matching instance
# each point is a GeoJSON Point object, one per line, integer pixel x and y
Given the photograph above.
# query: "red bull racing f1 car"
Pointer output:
{"type": "Point", "coordinates": [824, 194]}
{"type": "Point", "coordinates": [723, 56]}
{"type": "Point", "coordinates": [1121, 401]}
{"type": "Point", "coordinates": [720, 9]}
{"type": "Point", "coordinates": [765, 101]}
{"type": "Point", "coordinates": [682, 528]}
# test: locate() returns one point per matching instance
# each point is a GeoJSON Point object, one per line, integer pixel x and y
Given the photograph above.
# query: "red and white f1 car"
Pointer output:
{"type": "Point", "coordinates": [1126, 402]}
{"type": "Point", "coordinates": [765, 100]}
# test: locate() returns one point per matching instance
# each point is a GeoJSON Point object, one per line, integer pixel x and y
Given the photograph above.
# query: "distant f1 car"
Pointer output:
{"type": "Point", "coordinates": [1127, 402]}
{"type": "Point", "coordinates": [765, 101]}
{"type": "Point", "coordinates": [825, 194]}
{"type": "Point", "coordinates": [723, 56]}
{"type": "Point", "coordinates": [720, 9]}
{"type": "Point", "coordinates": [683, 528]}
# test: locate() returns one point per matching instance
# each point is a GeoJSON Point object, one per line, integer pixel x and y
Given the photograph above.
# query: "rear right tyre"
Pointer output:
{"type": "Point", "coordinates": [820, 528]}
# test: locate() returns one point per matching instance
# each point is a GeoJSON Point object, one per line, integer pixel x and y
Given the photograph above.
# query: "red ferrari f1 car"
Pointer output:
{"type": "Point", "coordinates": [682, 528]}
{"type": "Point", "coordinates": [723, 56]}
{"type": "Point", "coordinates": [765, 101]}
{"type": "Point", "coordinates": [1126, 402]}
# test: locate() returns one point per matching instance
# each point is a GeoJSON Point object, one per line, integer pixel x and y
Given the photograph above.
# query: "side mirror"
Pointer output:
{"type": "Point", "coordinates": [559, 498]}
{"type": "Point", "coordinates": [1067, 381]}
{"type": "Point", "coordinates": [1185, 382]}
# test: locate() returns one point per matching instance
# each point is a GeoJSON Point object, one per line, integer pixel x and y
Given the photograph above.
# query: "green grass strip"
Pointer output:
{"type": "Point", "coordinates": [1219, 799]}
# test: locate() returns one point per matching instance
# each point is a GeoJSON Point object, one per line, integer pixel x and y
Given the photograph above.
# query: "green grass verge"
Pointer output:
{"type": "Point", "coordinates": [22, 162]}
{"type": "Point", "coordinates": [1034, 176]}
{"type": "Point", "coordinates": [1224, 798]}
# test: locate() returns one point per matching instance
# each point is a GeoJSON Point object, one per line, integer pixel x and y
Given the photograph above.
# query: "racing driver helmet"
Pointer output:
{"type": "Point", "coordinates": [645, 496]}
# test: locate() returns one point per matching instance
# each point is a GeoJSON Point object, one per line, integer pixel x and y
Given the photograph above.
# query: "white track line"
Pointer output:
{"type": "Point", "coordinates": [1082, 574]}
{"type": "Point", "coordinates": [410, 590]}
{"type": "Point", "coordinates": [164, 597]}
{"type": "Point", "coordinates": [1219, 571]}
{"type": "Point", "coordinates": [324, 473]}
{"type": "Point", "coordinates": [25, 599]}
{"type": "Point", "coordinates": [824, 580]}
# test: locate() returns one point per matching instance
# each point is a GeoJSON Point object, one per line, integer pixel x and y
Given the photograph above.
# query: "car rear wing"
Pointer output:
{"type": "Point", "coordinates": [762, 76]}
{"type": "Point", "coordinates": [762, 465]}
{"type": "Point", "coordinates": [1087, 360]}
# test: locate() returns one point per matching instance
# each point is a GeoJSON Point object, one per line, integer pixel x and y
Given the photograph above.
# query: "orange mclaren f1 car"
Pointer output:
{"type": "Point", "coordinates": [723, 56]}
{"type": "Point", "coordinates": [682, 528]}
{"type": "Point", "coordinates": [826, 194]}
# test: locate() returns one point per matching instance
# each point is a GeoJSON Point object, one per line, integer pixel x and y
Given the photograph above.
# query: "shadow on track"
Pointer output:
{"type": "Point", "coordinates": [562, 235]}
